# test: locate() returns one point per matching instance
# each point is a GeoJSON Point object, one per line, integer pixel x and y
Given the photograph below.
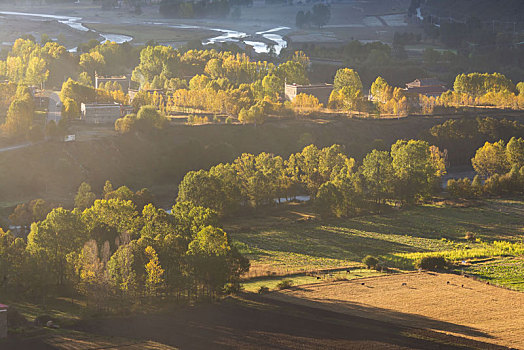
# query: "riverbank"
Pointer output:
{"type": "Point", "coordinates": [121, 25]}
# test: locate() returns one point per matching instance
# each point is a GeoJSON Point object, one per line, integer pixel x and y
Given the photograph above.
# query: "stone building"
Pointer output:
{"type": "Point", "coordinates": [100, 113]}
{"type": "Point", "coordinates": [320, 91]}
{"type": "Point", "coordinates": [429, 87]}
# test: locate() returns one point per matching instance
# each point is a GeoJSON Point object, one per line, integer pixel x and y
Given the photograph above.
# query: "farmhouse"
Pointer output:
{"type": "Point", "coordinates": [320, 91]}
{"type": "Point", "coordinates": [429, 87]}
{"type": "Point", "coordinates": [124, 81]}
{"type": "Point", "coordinates": [100, 113]}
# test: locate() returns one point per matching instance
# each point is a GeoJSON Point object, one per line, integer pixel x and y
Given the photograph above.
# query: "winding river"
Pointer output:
{"type": "Point", "coordinates": [226, 35]}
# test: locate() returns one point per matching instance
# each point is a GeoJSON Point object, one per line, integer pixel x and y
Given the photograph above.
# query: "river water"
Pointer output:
{"type": "Point", "coordinates": [226, 35]}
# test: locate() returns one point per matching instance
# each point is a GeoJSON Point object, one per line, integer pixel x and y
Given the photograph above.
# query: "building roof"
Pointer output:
{"type": "Point", "coordinates": [325, 85]}
{"type": "Point", "coordinates": [100, 105]}
{"type": "Point", "coordinates": [427, 90]}
{"type": "Point", "coordinates": [425, 82]}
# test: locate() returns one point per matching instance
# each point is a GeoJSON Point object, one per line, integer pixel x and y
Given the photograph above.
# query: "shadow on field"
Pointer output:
{"type": "Point", "coordinates": [258, 322]}
{"type": "Point", "coordinates": [385, 315]}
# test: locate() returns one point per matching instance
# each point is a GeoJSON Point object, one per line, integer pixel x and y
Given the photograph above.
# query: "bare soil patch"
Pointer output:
{"type": "Point", "coordinates": [451, 304]}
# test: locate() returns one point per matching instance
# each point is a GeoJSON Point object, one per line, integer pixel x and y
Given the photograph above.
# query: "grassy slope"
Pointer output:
{"type": "Point", "coordinates": [284, 244]}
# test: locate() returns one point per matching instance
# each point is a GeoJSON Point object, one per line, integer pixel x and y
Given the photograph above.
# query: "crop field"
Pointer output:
{"type": "Point", "coordinates": [447, 303]}
{"type": "Point", "coordinates": [507, 272]}
{"type": "Point", "coordinates": [293, 241]}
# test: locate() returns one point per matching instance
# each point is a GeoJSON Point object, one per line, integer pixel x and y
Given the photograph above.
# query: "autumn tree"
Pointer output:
{"type": "Point", "coordinates": [154, 273]}
{"type": "Point", "coordinates": [491, 159]}
{"type": "Point", "coordinates": [20, 115]}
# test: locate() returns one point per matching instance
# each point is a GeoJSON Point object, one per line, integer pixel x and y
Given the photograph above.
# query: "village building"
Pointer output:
{"type": "Point", "coordinates": [430, 87]}
{"type": "Point", "coordinates": [320, 91]}
{"type": "Point", "coordinates": [100, 113]}
{"type": "Point", "coordinates": [3, 321]}
{"type": "Point", "coordinates": [124, 81]}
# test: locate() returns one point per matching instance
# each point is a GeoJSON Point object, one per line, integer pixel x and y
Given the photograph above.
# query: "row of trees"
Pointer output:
{"type": "Point", "coordinates": [500, 169]}
{"type": "Point", "coordinates": [318, 16]}
{"type": "Point", "coordinates": [113, 251]}
{"type": "Point", "coordinates": [50, 63]}
{"type": "Point", "coordinates": [410, 171]}
{"type": "Point", "coordinates": [227, 84]}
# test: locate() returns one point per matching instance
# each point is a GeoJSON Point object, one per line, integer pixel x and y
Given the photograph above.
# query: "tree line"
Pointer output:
{"type": "Point", "coordinates": [500, 171]}
{"type": "Point", "coordinates": [118, 250]}
{"type": "Point", "coordinates": [408, 172]}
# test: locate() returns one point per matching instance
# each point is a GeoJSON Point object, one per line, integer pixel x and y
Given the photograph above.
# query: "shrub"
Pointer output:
{"type": "Point", "coordinates": [229, 120]}
{"type": "Point", "coordinates": [263, 290]}
{"type": "Point", "coordinates": [432, 263]}
{"type": "Point", "coordinates": [370, 261]}
{"type": "Point", "coordinates": [285, 284]}
{"type": "Point", "coordinates": [232, 288]}
{"type": "Point", "coordinates": [470, 236]}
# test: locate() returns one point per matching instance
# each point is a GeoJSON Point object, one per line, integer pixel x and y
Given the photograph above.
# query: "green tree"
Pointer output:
{"type": "Point", "coordinates": [84, 197]}
{"type": "Point", "coordinates": [272, 85]}
{"type": "Point", "coordinates": [156, 61]}
{"type": "Point", "coordinates": [37, 72]}
{"type": "Point", "coordinates": [416, 168]}
{"type": "Point", "coordinates": [208, 253]}
{"type": "Point", "coordinates": [70, 109]}
{"type": "Point", "coordinates": [57, 239]}
{"type": "Point", "coordinates": [329, 200]}
{"type": "Point", "coordinates": [379, 176]}
{"type": "Point", "coordinates": [381, 91]}
{"type": "Point", "coordinates": [146, 120]}
{"type": "Point", "coordinates": [320, 14]}
{"type": "Point", "coordinates": [116, 213]}
{"type": "Point", "coordinates": [202, 189]}
{"type": "Point", "coordinates": [12, 258]}
{"type": "Point", "coordinates": [292, 72]}
{"type": "Point", "coordinates": [19, 116]}
{"type": "Point", "coordinates": [515, 152]}
{"type": "Point", "coordinates": [491, 159]}
{"type": "Point", "coordinates": [347, 77]}
{"type": "Point", "coordinates": [121, 271]}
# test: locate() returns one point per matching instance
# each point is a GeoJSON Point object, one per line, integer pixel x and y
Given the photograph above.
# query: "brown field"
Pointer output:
{"type": "Point", "coordinates": [252, 321]}
{"type": "Point", "coordinates": [464, 307]}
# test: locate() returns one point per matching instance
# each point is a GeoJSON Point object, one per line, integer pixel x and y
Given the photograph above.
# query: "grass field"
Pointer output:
{"type": "Point", "coordinates": [445, 303]}
{"type": "Point", "coordinates": [507, 272]}
{"type": "Point", "coordinates": [285, 243]}
{"type": "Point", "coordinates": [253, 285]}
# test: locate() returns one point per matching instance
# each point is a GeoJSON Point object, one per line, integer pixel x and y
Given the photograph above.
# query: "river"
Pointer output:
{"type": "Point", "coordinates": [226, 35]}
